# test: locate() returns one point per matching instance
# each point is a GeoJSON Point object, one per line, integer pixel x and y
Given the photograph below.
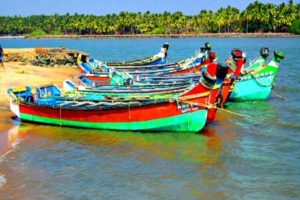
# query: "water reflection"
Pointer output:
{"type": "Point", "coordinates": [70, 157]}
{"type": "Point", "coordinates": [8, 140]}
{"type": "Point", "coordinates": [57, 155]}
{"type": "Point", "coordinates": [171, 146]}
{"type": "Point", "coordinates": [200, 148]}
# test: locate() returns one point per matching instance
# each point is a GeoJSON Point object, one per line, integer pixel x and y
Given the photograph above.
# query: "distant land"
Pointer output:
{"type": "Point", "coordinates": [213, 35]}
{"type": "Point", "coordinates": [256, 20]}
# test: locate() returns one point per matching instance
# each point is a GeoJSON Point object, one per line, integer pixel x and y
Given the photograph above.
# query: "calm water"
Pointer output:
{"type": "Point", "coordinates": [233, 158]}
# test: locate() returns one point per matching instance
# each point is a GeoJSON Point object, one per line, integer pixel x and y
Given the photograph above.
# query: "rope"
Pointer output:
{"type": "Point", "coordinates": [235, 113]}
{"type": "Point", "coordinates": [265, 121]}
{"type": "Point", "coordinates": [208, 106]}
{"type": "Point", "coordinates": [260, 83]}
{"type": "Point", "coordinates": [278, 95]}
{"type": "Point", "coordinates": [193, 68]}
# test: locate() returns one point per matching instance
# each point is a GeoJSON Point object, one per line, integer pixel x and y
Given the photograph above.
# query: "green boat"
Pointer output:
{"type": "Point", "coordinates": [258, 80]}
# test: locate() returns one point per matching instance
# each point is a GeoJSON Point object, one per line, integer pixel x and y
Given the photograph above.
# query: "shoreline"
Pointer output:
{"type": "Point", "coordinates": [136, 36]}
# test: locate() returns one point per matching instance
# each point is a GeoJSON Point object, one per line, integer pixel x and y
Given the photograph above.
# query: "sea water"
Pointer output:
{"type": "Point", "coordinates": [235, 157]}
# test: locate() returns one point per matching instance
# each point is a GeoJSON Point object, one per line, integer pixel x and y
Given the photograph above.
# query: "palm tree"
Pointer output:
{"type": "Point", "coordinates": [220, 18]}
{"type": "Point", "coordinates": [247, 16]}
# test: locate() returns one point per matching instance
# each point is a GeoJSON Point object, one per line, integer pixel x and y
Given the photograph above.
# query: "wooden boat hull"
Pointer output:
{"type": "Point", "coordinates": [162, 117]}
{"type": "Point", "coordinates": [219, 96]}
{"type": "Point", "coordinates": [250, 88]}
{"type": "Point", "coordinates": [104, 79]}
{"type": "Point", "coordinates": [256, 86]}
{"type": "Point", "coordinates": [159, 58]}
{"type": "Point", "coordinates": [145, 61]}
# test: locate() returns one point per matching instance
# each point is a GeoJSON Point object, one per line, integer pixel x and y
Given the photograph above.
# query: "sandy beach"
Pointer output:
{"type": "Point", "coordinates": [18, 75]}
{"type": "Point", "coordinates": [19, 69]}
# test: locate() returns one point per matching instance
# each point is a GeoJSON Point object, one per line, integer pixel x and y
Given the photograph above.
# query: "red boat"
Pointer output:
{"type": "Point", "coordinates": [185, 113]}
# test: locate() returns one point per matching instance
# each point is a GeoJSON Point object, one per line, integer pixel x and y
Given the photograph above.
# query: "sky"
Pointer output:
{"type": "Point", "coordinates": [103, 7]}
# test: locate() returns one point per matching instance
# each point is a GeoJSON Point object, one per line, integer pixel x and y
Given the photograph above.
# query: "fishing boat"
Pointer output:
{"type": "Point", "coordinates": [73, 89]}
{"type": "Point", "coordinates": [225, 80]}
{"type": "Point", "coordinates": [188, 111]}
{"type": "Point", "coordinates": [159, 58]}
{"type": "Point", "coordinates": [209, 74]}
{"type": "Point", "coordinates": [185, 113]}
{"type": "Point", "coordinates": [97, 71]}
{"type": "Point", "coordinates": [199, 57]}
{"type": "Point", "coordinates": [105, 76]}
{"type": "Point", "coordinates": [259, 61]}
{"type": "Point", "coordinates": [257, 81]}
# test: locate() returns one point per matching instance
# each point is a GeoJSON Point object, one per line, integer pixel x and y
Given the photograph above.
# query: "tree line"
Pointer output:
{"type": "Point", "coordinates": [257, 17]}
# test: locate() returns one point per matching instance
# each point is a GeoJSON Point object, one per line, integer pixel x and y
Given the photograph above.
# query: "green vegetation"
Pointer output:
{"type": "Point", "coordinates": [295, 27]}
{"type": "Point", "coordinates": [257, 17]}
{"type": "Point", "coordinates": [38, 32]}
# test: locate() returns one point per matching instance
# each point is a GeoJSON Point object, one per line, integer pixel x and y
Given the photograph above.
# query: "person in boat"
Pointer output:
{"type": "Point", "coordinates": [1, 57]}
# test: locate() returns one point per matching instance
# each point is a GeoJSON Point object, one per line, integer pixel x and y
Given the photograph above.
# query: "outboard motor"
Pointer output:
{"type": "Point", "coordinates": [264, 52]}
{"type": "Point", "coordinates": [222, 71]}
{"type": "Point", "coordinates": [208, 80]}
{"type": "Point", "coordinates": [244, 55]}
{"type": "Point", "coordinates": [166, 47]}
{"type": "Point", "coordinates": [207, 46]}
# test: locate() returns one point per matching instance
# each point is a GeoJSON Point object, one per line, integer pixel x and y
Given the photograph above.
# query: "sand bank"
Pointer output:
{"type": "Point", "coordinates": [18, 75]}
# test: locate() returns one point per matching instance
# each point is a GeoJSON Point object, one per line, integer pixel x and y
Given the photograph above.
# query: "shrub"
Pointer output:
{"type": "Point", "coordinates": [295, 27]}
{"type": "Point", "coordinates": [55, 32]}
{"type": "Point", "coordinates": [159, 30]}
{"type": "Point", "coordinates": [38, 32]}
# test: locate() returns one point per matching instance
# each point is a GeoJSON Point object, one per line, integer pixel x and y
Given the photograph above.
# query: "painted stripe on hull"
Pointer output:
{"type": "Point", "coordinates": [188, 122]}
